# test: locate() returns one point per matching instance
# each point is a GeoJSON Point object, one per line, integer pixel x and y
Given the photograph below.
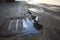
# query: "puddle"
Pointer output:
{"type": "Point", "coordinates": [32, 26]}
{"type": "Point", "coordinates": [16, 26]}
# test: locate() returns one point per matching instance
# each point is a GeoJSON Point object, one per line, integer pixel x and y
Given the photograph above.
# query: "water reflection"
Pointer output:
{"type": "Point", "coordinates": [14, 27]}
{"type": "Point", "coordinates": [32, 25]}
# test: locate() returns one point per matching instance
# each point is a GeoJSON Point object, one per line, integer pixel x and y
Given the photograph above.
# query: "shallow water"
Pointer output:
{"type": "Point", "coordinates": [14, 27]}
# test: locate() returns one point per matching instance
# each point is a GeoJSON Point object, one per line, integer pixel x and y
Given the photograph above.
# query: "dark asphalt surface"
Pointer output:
{"type": "Point", "coordinates": [13, 11]}
{"type": "Point", "coordinates": [50, 20]}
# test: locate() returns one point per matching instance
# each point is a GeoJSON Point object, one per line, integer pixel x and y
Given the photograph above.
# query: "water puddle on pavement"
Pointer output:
{"type": "Point", "coordinates": [32, 25]}
{"type": "Point", "coordinates": [22, 27]}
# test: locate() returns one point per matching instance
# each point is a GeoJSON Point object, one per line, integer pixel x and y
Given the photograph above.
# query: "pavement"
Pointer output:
{"type": "Point", "coordinates": [49, 18]}
{"type": "Point", "coordinates": [13, 10]}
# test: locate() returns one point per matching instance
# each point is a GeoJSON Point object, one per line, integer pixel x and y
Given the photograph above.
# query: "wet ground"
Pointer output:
{"type": "Point", "coordinates": [50, 19]}
{"type": "Point", "coordinates": [20, 27]}
{"type": "Point", "coordinates": [11, 18]}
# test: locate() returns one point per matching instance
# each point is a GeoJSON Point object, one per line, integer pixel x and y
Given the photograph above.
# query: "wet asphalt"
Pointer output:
{"type": "Point", "coordinates": [49, 18]}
